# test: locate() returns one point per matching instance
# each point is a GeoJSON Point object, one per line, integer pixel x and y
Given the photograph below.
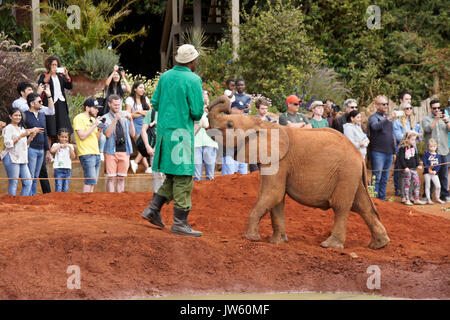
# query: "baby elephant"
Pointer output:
{"type": "Point", "coordinates": [319, 168]}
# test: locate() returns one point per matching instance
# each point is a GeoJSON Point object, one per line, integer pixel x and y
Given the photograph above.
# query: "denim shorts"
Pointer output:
{"type": "Point", "coordinates": [91, 167]}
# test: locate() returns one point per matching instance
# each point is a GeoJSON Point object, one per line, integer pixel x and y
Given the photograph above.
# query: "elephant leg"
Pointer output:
{"type": "Point", "coordinates": [271, 193]}
{"type": "Point", "coordinates": [338, 234]}
{"type": "Point", "coordinates": [364, 207]}
{"type": "Point", "coordinates": [279, 231]}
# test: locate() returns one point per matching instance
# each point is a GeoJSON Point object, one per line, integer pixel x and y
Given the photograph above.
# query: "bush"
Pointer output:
{"type": "Point", "coordinates": [68, 57]}
{"type": "Point", "coordinates": [16, 64]}
{"type": "Point", "coordinates": [98, 63]}
{"type": "Point", "coordinates": [75, 104]}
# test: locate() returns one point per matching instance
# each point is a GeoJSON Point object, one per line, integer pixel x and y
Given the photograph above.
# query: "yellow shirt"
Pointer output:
{"type": "Point", "coordinates": [90, 144]}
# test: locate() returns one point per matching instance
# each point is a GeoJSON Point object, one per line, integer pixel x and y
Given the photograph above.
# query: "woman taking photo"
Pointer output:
{"type": "Point", "coordinates": [138, 105]}
{"type": "Point", "coordinates": [15, 156]}
{"type": "Point", "coordinates": [58, 79]}
{"type": "Point", "coordinates": [113, 84]}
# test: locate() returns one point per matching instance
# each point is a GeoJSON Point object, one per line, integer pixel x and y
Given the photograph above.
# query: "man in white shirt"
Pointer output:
{"type": "Point", "coordinates": [24, 88]}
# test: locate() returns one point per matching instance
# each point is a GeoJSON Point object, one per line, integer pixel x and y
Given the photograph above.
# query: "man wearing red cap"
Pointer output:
{"type": "Point", "coordinates": [292, 118]}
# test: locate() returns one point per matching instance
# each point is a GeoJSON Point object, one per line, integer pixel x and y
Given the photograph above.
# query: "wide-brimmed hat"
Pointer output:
{"type": "Point", "coordinates": [186, 53]}
{"type": "Point", "coordinates": [315, 104]}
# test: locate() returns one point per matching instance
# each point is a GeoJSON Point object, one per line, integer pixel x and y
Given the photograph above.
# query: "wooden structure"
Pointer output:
{"type": "Point", "coordinates": [209, 15]}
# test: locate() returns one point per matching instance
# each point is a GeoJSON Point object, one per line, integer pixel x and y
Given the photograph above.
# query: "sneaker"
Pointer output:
{"type": "Point", "coordinates": [403, 200]}
{"type": "Point", "coordinates": [148, 170]}
{"type": "Point", "coordinates": [408, 203]}
{"type": "Point", "coordinates": [102, 156]}
{"type": "Point", "coordinates": [440, 201]}
{"type": "Point", "coordinates": [447, 199]}
{"type": "Point", "coordinates": [429, 201]}
{"type": "Point", "coordinates": [417, 201]}
{"type": "Point", "coordinates": [134, 166]}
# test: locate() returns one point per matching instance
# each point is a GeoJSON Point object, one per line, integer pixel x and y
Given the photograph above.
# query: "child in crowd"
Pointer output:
{"type": "Point", "coordinates": [64, 153]}
{"type": "Point", "coordinates": [409, 161]}
{"type": "Point", "coordinates": [230, 91]}
{"type": "Point", "coordinates": [317, 121]}
{"type": "Point", "coordinates": [431, 161]}
{"type": "Point", "coordinates": [353, 131]}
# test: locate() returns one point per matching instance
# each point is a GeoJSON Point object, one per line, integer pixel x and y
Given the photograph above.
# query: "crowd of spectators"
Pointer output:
{"type": "Point", "coordinates": [38, 131]}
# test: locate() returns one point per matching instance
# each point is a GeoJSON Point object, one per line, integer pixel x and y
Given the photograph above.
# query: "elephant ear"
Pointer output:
{"type": "Point", "coordinates": [267, 145]}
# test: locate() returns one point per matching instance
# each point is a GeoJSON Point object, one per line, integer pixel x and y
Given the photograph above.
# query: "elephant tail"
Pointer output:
{"type": "Point", "coordinates": [366, 188]}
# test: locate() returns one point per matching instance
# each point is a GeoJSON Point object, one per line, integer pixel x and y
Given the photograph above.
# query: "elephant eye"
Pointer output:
{"type": "Point", "coordinates": [230, 124]}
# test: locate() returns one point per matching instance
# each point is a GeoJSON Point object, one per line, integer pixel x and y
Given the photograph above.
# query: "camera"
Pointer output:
{"type": "Point", "coordinates": [103, 120]}
{"type": "Point", "coordinates": [335, 108]}
{"type": "Point", "coordinates": [120, 141]}
{"type": "Point", "coordinates": [120, 69]}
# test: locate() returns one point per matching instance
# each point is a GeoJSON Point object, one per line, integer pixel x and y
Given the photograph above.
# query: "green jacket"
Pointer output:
{"type": "Point", "coordinates": [178, 99]}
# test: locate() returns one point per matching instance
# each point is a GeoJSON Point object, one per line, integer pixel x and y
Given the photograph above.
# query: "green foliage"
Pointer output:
{"type": "Point", "coordinates": [214, 88]}
{"type": "Point", "coordinates": [75, 104]}
{"type": "Point", "coordinates": [98, 63]}
{"type": "Point", "coordinates": [323, 84]}
{"type": "Point", "coordinates": [96, 25]}
{"type": "Point", "coordinates": [17, 63]}
{"type": "Point", "coordinates": [371, 187]}
{"type": "Point", "coordinates": [149, 84]}
{"type": "Point", "coordinates": [215, 65]}
{"type": "Point", "coordinates": [9, 25]}
{"type": "Point", "coordinates": [275, 55]}
{"type": "Point", "coordinates": [68, 57]}
{"type": "Point", "coordinates": [409, 52]}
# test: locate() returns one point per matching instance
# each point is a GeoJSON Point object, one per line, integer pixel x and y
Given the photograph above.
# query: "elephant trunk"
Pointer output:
{"type": "Point", "coordinates": [220, 104]}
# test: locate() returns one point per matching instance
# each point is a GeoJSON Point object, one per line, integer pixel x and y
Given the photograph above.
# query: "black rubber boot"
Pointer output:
{"type": "Point", "coordinates": [153, 212]}
{"type": "Point", "coordinates": [180, 224]}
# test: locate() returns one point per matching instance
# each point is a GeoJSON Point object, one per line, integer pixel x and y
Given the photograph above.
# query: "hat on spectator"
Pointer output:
{"type": "Point", "coordinates": [293, 99]}
{"type": "Point", "coordinates": [316, 103]}
{"type": "Point", "coordinates": [91, 102]}
{"type": "Point", "coordinates": [186, 53]}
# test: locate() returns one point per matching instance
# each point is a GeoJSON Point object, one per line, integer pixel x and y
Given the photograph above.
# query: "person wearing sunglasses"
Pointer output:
{"type": "Point", "coordinates": [404, 123]}
{"type": "Point", "coordinates": [39, 150]}
{"type": "Point", "coordinates": [349, 105]}
{"type": "Point", "coordinates": [437, 126]}
{"type": "Point", "coordinates": [382, 144]}
{"type": "Point", "coordinates": [292, 118]}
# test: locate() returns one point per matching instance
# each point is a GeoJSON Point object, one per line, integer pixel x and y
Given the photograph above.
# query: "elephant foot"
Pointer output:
{"type": "Point", "coordinates": [252, 237]}
{"type": "Point", "coordinates": [278, 239]}
{"type": "Point", "coordinates": [378, 243]}
{"type": "Point", "coordinates": [332, 242]}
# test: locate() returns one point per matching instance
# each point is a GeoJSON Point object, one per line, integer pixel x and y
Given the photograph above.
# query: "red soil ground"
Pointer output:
{"type": "Point", "coordinates": [120, 255]}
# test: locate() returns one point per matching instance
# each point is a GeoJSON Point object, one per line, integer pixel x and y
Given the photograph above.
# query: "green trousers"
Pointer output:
{"type": "Point", "coordinates": [178, 189]}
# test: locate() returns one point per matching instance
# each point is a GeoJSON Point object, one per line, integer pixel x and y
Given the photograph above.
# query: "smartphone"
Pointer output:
{"type": "Point", "coordinates": [399, 113]}
{"type": "Point", "coordinates": [60, 70]}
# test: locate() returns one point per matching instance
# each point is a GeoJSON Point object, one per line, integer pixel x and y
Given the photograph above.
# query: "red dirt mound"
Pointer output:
{"type": "Point", "coordinates": [120, 255]}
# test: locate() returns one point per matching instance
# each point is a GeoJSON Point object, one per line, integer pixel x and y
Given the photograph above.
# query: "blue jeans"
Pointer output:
{"type": "Point", "coordinates": [207, 156]}
{"type": "Point", "coordinates": [230, 166]}
{"type": "Point", "coordinates": [62, 185]}
{"type": "Point", "coordinates": [14, 171]}
{"type": "Point", "coordinates": [91, 167]}
{"type": "Point", "coordinates": [35, 159]}
{"type": "Point", "coordinates": [443, 176]}
{"type": "Point", "coordinates": [381, 161]}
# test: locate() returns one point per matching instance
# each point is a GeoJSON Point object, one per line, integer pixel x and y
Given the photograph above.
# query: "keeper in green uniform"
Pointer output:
{"type": "Point", "coordinates": [178, 99]}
